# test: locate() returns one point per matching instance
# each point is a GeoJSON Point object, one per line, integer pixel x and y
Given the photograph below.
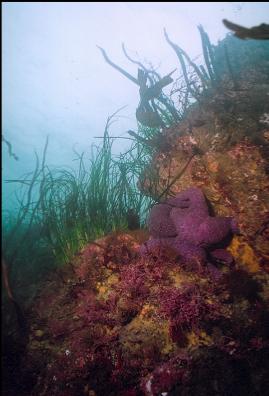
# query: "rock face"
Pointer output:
{"type": "Point", "coordinates": [222, 146]}
{"type": "Point", "coordinates": [234, 178]}
{"type": "Point", "coordinates": [183, 224]}
{"type": "Point", "coordinates": [135, 325]}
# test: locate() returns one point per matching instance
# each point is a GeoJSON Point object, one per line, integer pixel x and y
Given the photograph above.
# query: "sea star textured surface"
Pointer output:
{"type": "Point", "coordinates": [183, 223]}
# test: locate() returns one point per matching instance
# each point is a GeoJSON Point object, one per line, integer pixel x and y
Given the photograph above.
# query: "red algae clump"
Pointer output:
{"type": "Point", "coordinates": [121, 324]}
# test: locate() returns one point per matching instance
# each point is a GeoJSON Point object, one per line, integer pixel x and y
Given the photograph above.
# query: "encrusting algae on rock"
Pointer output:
{"type": "Point", "coordinates": [244, 254]}
{"type": "Point", "coordinates": [236, 184]}
{"type": "Point", "coordinates": [127, 324]}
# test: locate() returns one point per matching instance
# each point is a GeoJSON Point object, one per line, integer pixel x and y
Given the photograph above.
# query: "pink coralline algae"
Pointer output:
{"type": "Point", "coordinates": [184, 225]}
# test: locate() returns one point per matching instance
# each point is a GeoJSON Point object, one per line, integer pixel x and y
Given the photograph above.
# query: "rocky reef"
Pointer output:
{"type": "Point", "coordinates": [231, 169]}
{"type": "Point", "coordinates": [118, 323]}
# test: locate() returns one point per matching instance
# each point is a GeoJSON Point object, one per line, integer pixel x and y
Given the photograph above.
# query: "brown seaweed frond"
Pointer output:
{"type": "Point", "coordinates": [10, 151]}
{"type": "Point", "coordinates": [18, 309]}
{"type": "Point", "coordinates": [120, 69]}
{"type": "Point", "coordinates": [183, 57]}
{"type": "Point", "coordinates": [260, 32]}
{"type": "Point", "coordinates": [27, 209]}
{"type": "Point", "coordinates": [149, 112]}
{"type": "Point", "coordinates": [208, 55]}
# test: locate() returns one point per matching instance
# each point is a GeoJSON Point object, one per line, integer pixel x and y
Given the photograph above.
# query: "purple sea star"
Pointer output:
{"type": "Point", "coordinates": [183, 223]}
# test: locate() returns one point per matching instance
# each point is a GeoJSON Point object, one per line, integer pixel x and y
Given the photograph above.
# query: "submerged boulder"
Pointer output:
{"type": "Point", "coordinates": [234, 179]}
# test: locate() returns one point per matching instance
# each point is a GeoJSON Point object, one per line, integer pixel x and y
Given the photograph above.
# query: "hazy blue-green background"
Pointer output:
{"type": "Point", "coordinates": [56, 82]}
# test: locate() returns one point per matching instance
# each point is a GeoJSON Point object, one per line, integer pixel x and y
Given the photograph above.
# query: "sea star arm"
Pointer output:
{"type": "Point", "coordinates": [222, 256]}
{"type": "Point", "coordinates": [155, 245]}
{"type": "Point", "coordinates": [214, 230]}
{"type": "Point", "coordinates": [160, 223]}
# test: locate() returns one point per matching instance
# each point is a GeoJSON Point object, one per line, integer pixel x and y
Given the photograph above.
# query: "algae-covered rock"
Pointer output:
{"type": "Point", "coordinates": [235, 182]}
{"type": "Point", "coordinates": [147, 325]}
